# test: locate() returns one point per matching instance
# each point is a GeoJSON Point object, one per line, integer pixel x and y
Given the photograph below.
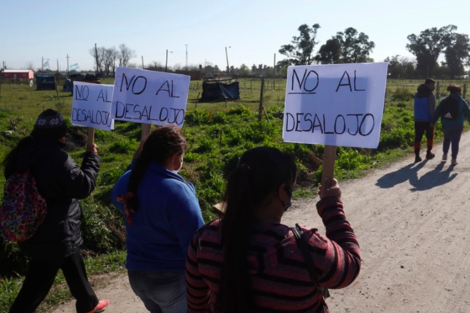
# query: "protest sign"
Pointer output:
{"type": "Point", "coordinates": [150, 97]}
{"type": "Point", "coordinates": [91, 105]}
{"type": "Point", "coordinates": [335, 105]}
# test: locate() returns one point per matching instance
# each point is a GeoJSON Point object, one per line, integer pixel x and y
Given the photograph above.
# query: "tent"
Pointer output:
{"type": "Point", "coordinates": [45, 81]}
{"type": "Point", "coordinates": [86, 78]}
{"type": "Point", "coordinates": [216, 92]}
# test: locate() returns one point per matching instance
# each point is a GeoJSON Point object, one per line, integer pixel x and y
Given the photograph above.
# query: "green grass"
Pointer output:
{"type": "Point", "coordinates": [217, 133]}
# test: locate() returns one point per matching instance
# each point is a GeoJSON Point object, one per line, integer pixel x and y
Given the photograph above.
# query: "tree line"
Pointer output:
{"type": "Point", "coordinates": [351, 46]}
{"type": "Point", "coordinates": [348, 46]}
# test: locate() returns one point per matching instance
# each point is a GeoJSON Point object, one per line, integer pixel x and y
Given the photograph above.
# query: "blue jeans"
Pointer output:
{"type": "Point", "coordinates": [161, 292]}
{"type": "Point", "coordinates": [452, 135]}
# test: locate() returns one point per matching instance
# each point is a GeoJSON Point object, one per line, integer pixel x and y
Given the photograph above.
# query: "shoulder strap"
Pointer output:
{"type": "Point", "coordinates": [308, 261]}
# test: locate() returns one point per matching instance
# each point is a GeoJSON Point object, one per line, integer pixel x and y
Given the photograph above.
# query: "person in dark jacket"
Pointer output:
{"type": "Point", "coordinates": [452, 126]}
{"type": "Point", "coordinates": [55, 244]}
{"type": "Point", "coordinates": [424, 106]}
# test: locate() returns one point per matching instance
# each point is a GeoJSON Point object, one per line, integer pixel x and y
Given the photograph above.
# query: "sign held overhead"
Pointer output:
{"type": "Point", "coordinates": [336, 105]}
{"type": "Point", "coordinates": [91, 105]}
{"type": "Point", "coordinates": [150, 97]}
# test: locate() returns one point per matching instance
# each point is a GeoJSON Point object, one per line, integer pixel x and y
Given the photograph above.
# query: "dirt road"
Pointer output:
{"type": "Point", "coordinates": [413, 225]}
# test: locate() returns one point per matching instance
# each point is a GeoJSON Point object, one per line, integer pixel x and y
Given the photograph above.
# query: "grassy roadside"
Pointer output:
{"type": "Point", "coordinates": [217, 133]}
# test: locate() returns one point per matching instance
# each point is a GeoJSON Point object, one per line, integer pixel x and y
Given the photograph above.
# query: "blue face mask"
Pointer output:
{"type": "Point", "coordinates": [288, 205]}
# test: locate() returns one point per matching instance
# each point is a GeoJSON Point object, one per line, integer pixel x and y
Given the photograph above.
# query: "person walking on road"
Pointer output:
{"type": "Point", "coordinates": [424, 107]}
{"type": "Point", "coordinates": [55, 244]}
{"type": "Point", "coordinates": [453, 111]}
{"type": "Point", "coordinates": [161, 215]}
{"type": "Point", "coordinates": [248, 261]}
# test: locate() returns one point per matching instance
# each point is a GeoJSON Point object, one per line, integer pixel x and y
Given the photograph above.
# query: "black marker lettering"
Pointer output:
{"type": "Point", "coordinates": [315, 125]}
{"type": "Point", "coordinates": [308, 120]}
{"type": "Point", "coordinates": [362, 122]}
{"type": "Point", "coordinates": [289, 116]}
{"type": "Point", "coordinates": [357, 123]}
{"type": "Point", "coordinates": [324, 126]}
{"type": "Point", "coordinates": [336, 123]}
{"type": "Point", "coordinates": [341, 80]}
{"type": "Point", "coordinates": [117, 113]}
{"type": "Point", "coordinates": [355, 89]}
{"type": "Point", "coordinates": [162, 89]}
{"type": "Point", "coordinates": [136, 110]}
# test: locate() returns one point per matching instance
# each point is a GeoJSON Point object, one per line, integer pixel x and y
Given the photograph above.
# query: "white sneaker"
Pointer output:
{"type": "Point", "coordinates": [444, 157]}
{"type": "Point", "coordinates": [454, 162]}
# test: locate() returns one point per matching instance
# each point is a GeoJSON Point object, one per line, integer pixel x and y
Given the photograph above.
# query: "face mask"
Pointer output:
{"type": "Point", "coordinates": [288, 205]}
{"type": "Point", "coordinates": [176, 171]}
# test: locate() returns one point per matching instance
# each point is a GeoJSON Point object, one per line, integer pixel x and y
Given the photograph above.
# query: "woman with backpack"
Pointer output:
{"type": "Point", "coordinates": [55, 243]}
{"type": "Point", "coordinates": [249, 262]}
{"type": "Point", "coordinates": [453, 111]}
{"type": "Point", "coordinates": [161, 214]}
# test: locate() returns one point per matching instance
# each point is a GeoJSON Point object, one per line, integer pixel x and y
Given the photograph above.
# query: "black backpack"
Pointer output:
{"type": "Point", "coordinates": [450, 108]}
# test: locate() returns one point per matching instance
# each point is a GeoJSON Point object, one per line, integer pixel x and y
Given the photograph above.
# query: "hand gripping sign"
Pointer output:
{"type": "Point", "coordinates": [150, 97]}
{"type": "Point", "coordinates": [91, 107]}
{"type": "Point", "coordinates": [335, 105]}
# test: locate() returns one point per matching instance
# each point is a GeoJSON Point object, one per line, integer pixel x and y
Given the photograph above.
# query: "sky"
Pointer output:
{"type": "Point", "coordinates": [252, 30]}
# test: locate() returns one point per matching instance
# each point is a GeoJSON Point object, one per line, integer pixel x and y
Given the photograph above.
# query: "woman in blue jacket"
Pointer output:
{"type": "Point", "coordinates": [453, 112]}
{"type": "Point", "coordinates": [161, 215]}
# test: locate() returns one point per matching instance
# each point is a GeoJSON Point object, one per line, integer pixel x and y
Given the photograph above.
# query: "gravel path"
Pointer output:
{"type": "Point", "coordinates": [412, 221]}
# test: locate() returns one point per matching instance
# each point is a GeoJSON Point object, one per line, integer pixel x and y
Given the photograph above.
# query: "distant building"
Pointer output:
{"type": "Point", "coordinates": [17, 74]}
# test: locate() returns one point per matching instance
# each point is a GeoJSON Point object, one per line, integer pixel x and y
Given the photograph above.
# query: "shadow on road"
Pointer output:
{"type": "Point", "coordinates": [429, 180]}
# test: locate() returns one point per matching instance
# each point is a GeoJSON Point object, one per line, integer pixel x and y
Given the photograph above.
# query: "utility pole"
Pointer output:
{"type": "Point", "coordinates": [42, 65]}
{"type": "Point", "coordinates": [226, 56]}
{"type": "Point", "coordinates": [186, 57]}
{"type": "Point", "coordinates": [96, 57]}
{"type": "Point", "coordinates": [166, 63]}
{"type": "Point", "coordinates": [57, 65]}
{"type": "Point", "coordinates": [274, 73]}
{"type": "Point", "coordinates": [67, 64]}
{"type": "Point", "coordinates": [142, 62]}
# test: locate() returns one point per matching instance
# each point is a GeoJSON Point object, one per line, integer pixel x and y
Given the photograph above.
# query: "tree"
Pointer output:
{"type": "Point", "coordinates": [400, 67]}
{"type": "Point", "coordinates": [428, 46]}
{"type": "Point", "coordinates": [244, 71]}
{"type": "Point", "coordinates": [29, 65]}
{"type": "Point", "coordinates": [347, 47]}
{"type": "Point", "coordinates": [330, 52]}
{"type": "Point", "coordinates": [125, 54]}
{"type": "Point", "coordinates": [300, 50]}
{"type": "Point", "coordinates": [355, 47]}
{"type": "Point", "coordinates": [98, 54]}
{"type": "Point", "coordinates": [109, 60]}
{"type": "Point", "coordinates": [457, 50]}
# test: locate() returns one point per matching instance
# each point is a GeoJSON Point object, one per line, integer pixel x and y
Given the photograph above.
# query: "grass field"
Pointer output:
{"type": "Point", "coordinates": [218, 133]}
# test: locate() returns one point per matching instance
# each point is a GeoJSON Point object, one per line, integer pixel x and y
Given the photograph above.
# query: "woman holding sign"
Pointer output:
{"type": "Point", "coordinates": [55, 243]}
{"type": "Point", "coordinates": [161, 215]}
{"type": "Point", "coordinates": [249, 262]}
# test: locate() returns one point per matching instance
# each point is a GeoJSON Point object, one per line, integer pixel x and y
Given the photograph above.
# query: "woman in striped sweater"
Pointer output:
{"type": "Point", "coordinates": [249, 262]}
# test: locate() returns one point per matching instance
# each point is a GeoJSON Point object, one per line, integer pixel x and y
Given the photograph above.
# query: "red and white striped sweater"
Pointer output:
{"type": "Point", "coordinates": [279, 279]}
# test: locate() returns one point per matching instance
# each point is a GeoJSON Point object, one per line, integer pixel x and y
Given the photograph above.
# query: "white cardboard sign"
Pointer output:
{"type": "Point", "coordinates": [91, 105]}
{"type": "Point", "coordinates": [150, 97]}
{"type": "Point", "coordinates": [336, 105]}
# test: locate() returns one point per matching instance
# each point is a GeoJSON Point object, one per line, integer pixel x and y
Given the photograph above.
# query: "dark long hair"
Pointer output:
{"type": "Point", "coordinates": [258, 175]}
{"type": "Point", "coordinates": [162, 143]}
{"type": "Point", "coordinates": [10, 161]}
{"type": "Point", "coordinates": [454, 89]}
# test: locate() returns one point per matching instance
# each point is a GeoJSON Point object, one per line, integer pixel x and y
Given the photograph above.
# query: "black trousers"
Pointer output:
{"type": "Point", "coordinates": [422, 128]}
{"type": "Point", "coordinates": [39, 280]}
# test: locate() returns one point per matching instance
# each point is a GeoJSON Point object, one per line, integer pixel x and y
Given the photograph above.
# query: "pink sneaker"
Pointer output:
{"type": "Point", "coordinates": [100, 307]}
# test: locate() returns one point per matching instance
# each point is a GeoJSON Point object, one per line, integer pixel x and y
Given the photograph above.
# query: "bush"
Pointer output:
{"type": "Point", "coordinates": [122, 146]}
